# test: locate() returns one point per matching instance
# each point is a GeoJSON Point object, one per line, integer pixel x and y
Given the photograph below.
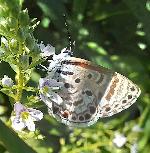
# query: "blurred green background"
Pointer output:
{"type": "Point", "coordinates": [111, 33]}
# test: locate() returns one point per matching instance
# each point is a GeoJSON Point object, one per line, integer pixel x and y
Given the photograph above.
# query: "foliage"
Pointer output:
{"type": "Point", "coordinates": [111, 33]}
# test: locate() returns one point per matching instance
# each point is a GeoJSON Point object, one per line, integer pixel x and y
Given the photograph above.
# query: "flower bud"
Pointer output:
{"type": "Point", "coordinates": [46, 51]}
{"type": "Point", "coordinates": [6, 81]}
{"type": "Point", "coordinates": [119, 140]}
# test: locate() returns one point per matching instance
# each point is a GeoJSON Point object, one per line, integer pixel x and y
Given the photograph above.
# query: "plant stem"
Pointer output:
{"type": "Point", "coordinates": [20, 77]}
{"type": "Point", "coordinates": [20, 85]}
{"type": "Point", "coordinates": [144, 116]}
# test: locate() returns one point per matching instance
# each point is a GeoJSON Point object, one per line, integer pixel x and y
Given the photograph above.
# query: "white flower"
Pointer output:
{"type": "Point", "coordinates": [4, 41]}
{"type": "Point", "coordinates": [46, 51]}
{"type": "Point", "coordinates": [134, 148]}
{"type": "Point", "coordinates": [119, 140]}
{"type": "Point", "coordinates": [6, 81]}
{"type": "Point", "coordinates": [25, 117]}
{"type": "Point", "coordinates": [47, 87]}
{"type": "Point", "coordinates": [137, 128]}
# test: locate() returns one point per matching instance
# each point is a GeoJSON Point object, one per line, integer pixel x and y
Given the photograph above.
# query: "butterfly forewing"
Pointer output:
{"type": "Point", "coordinates": [91, 92]}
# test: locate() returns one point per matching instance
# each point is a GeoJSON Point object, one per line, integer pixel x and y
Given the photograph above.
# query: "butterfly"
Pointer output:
{"type": "Point", "coordinates": [89, 92]}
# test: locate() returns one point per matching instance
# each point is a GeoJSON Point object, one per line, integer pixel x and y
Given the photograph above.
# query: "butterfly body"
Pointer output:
{"type": "Point", "coordinates": [90, 92]}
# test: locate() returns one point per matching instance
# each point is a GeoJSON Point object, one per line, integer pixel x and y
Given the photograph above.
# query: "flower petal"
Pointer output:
{"type": "Point", "coordinates": [49, 82]}
{"type": "Point", "coordinates": [54, 97]}
{"type": "Point", "coordinates": [18, 108]}
{"type": "Point", "coordinates": [46, 100]}
{"type": "Point", "coordinates": [4, 41]}
{"type": "Point", "coordinates": [137, 128]}
{"type": "Point", "coordinates": [119, 140]}
{"type": "Point", "coordinates": [35, 114]}
{"type": "Point", "coordinates": [46, 51]}
{"type": "Point", "coordinates": [30, 124]}
{"type": "Point", "coordinates": [17, 123]}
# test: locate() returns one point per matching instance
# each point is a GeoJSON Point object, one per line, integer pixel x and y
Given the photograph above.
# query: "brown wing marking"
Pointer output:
{"type": "Point", "coordinates": [112, 88]}
{"type": "Point", "coordinates": [87, 65]}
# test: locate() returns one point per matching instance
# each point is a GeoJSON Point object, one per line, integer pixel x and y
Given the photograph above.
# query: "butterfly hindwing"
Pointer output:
{"type": "Point", "coordinates": [120, 95]}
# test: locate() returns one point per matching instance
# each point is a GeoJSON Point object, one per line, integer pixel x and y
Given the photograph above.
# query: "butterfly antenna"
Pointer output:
{"type": "Point", "coordinates": [68, 33]}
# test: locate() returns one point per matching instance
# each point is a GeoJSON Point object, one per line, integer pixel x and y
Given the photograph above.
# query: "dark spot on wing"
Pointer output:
{"type": "Point", "coordinates": [129, 96]}
{"type": "Point", "coordinates": [76, 103]}
{"type": "Point", "coordinates": [124, 101]}
{"type": "Point", "coordinates": [89, 76]}
{"type": "Point", "coordinates": [81, 118]}
{"type": "Point", "coordinates": [88, 92]}
{"type": "Point", "coordinates": [83, 92]}
{"type": "Point", "coordinates": [55, 109]}
{"type": "Point", "coordinates": [77, 80]}
{"type": "Point", "coordinates": [107, 109]}
{"type": "Point", "coordinates": [87, 116]}
{"type": "Point", "coordinates": [74, 118]}
{"type": "Point", "coordinates": [92, 109]}
{"type": "Point", "coordinates": [132, 89]}
{"type": "Point", "coordinates": [116, 105]}
{"type": "Point", "coordinates": [67, 85]}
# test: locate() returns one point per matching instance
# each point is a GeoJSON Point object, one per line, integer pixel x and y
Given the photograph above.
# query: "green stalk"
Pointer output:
{"type": "Point", "coordinates": [144, 116]}
{"type": "Point", "coordinates": [19, 77]}
{"type": "Point", "coordinates": [19, 85]}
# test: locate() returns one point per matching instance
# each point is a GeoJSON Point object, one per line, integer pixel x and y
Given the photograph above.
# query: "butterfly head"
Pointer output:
{"type": "Point", "coordinates": [56, 62]}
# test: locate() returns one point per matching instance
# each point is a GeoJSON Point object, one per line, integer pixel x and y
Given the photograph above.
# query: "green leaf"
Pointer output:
{"type": "Point", "coordinates": [138, 8]}
{"type": "Point", "coordinates": [79, 9]}
{"type": "Point", "coordinates": [12, 142]}
{"type": "Point", "coordinates": [94, 46]}
{"type": "Point", "coordinates": [53, 9]}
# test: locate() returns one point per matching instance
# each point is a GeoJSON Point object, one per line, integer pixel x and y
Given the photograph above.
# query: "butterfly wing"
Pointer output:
{"type": "Point", "coordinates": [91, 92]}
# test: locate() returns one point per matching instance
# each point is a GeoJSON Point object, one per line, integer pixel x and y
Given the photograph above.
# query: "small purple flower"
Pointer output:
{"type": "Point", "coordinates": [47, 91]}
{"type": "Point", "coordinates": [25, 117]}
{"type": "Point", "coordinates": [119, 140]}
{"type": "Point", "coordinates": [46, 51]}
{"type": "Point", "coordinates": [6, 81]}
